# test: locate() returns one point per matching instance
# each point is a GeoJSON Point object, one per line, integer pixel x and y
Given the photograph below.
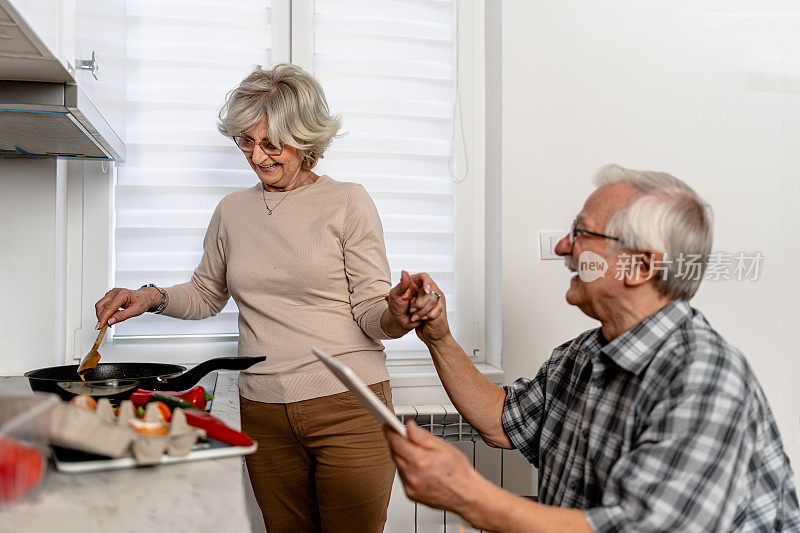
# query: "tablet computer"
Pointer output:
{"type": "Point", "coordinates": [368, 398]}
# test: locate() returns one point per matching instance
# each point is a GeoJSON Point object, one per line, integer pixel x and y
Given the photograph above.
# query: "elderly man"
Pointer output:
{"type": "Point", "coordinates": [651, 422]}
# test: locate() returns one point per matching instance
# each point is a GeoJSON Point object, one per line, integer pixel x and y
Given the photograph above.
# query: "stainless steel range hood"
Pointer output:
{"type": "Point", "coordinates": [42, 119]}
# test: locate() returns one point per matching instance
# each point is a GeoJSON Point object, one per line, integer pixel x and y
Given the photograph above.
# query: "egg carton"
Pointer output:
{"type": "Point", "coordinates": [102, 432]}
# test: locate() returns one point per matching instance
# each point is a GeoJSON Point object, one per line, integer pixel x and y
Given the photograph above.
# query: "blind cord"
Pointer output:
{"type": "Point", "coordinates": [458, 123]}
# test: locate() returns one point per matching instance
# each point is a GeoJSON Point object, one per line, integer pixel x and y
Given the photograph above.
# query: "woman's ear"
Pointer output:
{"type": "Point", "coordinates": [645, 265]}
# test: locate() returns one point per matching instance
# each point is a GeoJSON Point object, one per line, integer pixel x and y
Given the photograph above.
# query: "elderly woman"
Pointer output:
{"type": "Point", "coordinates": [304, 259]}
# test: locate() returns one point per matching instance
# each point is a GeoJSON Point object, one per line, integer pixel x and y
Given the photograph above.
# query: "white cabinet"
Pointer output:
{"type": "Point", "coordinates": [100, 31]}
{"type": "Point", "coordinates": [54, 40]}
{"type": "Point", "coordinates": [37, 40]}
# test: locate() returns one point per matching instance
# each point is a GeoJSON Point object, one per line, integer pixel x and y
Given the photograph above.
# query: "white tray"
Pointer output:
{"type": "Point", "coordinates": [74, 462]}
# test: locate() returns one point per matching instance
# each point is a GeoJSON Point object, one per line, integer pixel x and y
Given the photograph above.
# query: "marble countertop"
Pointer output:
{"type": "Point", "coordinates": [198, 496]}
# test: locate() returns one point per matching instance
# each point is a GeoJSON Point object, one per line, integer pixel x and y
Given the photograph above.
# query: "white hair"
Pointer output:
{"type": "Point", "coordinates": [668, 217]}
{"type": "Point", "coordinates": [295, 106]}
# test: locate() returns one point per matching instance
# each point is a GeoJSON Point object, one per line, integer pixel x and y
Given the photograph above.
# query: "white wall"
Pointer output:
{"type": "Point", "coordinates": [27, 264]}
{"type": "Point", "coordinates": [705, 90]}
{"type": "Point", "coordinates": [54, 260]}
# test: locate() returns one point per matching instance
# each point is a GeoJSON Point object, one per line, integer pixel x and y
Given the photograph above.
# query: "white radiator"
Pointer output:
{"type": "Point", "coordinates": [506, 468]}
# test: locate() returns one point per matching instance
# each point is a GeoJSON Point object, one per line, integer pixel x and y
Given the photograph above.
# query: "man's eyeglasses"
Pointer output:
{"type": "Point", "coordinates": [247, 145]}
{"type": "Point", "coordinates": [576, 232]}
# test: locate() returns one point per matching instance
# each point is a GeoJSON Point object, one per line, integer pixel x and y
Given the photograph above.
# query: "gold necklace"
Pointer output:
{"type": "Point", "coordinates": [264, 195]}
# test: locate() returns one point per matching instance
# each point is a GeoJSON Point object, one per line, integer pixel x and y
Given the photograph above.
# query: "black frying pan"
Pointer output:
{"type": "Point", "coordinates": [117, 381]}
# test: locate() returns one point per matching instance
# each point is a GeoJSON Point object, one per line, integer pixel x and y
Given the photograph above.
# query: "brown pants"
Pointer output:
{"type": "Point", "coordinates": [321, 465]}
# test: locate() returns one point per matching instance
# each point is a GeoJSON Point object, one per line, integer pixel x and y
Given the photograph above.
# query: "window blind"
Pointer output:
{"type": "Point", "coordinates": [386, 66]}
{"type": "Point", "coordinates": [182, 58]}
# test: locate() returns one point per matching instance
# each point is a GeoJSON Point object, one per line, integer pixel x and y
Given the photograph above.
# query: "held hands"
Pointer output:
{"type": "Point", "coordinates": [417, 303]}
{"type": "Point", "coordinates": [121, 304]}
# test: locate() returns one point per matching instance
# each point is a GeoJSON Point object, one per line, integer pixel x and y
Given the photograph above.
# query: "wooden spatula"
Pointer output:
{"type": "Point", "coordinates": [93, 357]}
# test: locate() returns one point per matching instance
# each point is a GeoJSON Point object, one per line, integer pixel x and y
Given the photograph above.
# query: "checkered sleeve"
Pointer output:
{"type": "Point", "coordinates": [687, 469]}
{"type": "Point", "coordinates": [523, 412]}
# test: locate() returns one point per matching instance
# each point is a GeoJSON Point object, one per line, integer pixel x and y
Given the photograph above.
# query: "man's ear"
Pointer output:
{"type": "Point", "coordinates": [645, 265]}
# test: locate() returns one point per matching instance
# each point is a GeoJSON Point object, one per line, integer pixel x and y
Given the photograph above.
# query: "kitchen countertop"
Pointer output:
{"type": "Point", "coordinates": [196, 496]}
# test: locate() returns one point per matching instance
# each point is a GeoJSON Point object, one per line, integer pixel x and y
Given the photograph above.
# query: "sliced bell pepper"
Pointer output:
{"type": "Point", "coordinates": [21, 469]}
{"type": "Point", "coordinates": [216, 429]}
{"type": "Point", "coordinates": [197, 396]}
{"type": "Point", "coordinates": [164, 412]}
{"type": "Point", "coordinates": [171, 401]}
{"type": "Point", "coordinates": [151, 429]}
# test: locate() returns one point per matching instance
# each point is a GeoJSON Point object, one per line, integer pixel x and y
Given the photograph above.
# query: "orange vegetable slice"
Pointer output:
{"type": "Point", "coordinates": [151, 429]}
{"type": "Point", "coordinates": [164, 412]}
{"type": "Point", "coordinates": [85, 402]}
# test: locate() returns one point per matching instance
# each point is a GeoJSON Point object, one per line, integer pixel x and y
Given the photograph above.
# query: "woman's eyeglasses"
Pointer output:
{"type": "Point", "coordinates": [247, 145]}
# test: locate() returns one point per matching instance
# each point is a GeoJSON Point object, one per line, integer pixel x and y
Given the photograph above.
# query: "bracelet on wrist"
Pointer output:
{"type": "Point", "coordinates": [163, 303]}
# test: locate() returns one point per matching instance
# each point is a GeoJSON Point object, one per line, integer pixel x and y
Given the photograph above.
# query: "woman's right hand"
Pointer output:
{"type": "Point", "coordinates": [121, 304]}
{"type": "Point", "coordinates": [429, 307]}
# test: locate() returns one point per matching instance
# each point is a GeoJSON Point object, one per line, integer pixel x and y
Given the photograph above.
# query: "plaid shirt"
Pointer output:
{"type": "Point", "coordinates": [665, 428]}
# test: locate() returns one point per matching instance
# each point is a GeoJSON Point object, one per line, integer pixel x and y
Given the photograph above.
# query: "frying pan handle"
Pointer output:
{"type": "Point", "coordinates": [190, 378]}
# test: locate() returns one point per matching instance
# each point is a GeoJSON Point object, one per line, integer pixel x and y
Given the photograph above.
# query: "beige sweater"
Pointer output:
{"type": "Point", "coordinates": [314, 273]}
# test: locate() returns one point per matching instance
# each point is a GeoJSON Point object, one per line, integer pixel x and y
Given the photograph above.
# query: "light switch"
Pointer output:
{"type": "Point", "coordinates": [547, 244]}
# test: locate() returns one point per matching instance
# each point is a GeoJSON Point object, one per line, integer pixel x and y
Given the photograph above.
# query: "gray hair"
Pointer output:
{"type": "Point", "coordinates": [295, 107]}
{"type": "Point", "coordinates": [668, 217]}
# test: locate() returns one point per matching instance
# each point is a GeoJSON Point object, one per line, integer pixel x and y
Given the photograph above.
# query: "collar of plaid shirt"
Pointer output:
{"type": "Point", "coordinates": [635, 348]}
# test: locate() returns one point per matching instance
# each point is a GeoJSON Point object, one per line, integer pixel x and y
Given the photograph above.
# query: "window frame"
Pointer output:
{"type": "Point", "coordinates": [90, 253]}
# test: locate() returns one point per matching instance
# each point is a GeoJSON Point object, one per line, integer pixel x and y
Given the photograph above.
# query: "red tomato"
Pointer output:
{"type": "Point", "coordinates": [21, 468]}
